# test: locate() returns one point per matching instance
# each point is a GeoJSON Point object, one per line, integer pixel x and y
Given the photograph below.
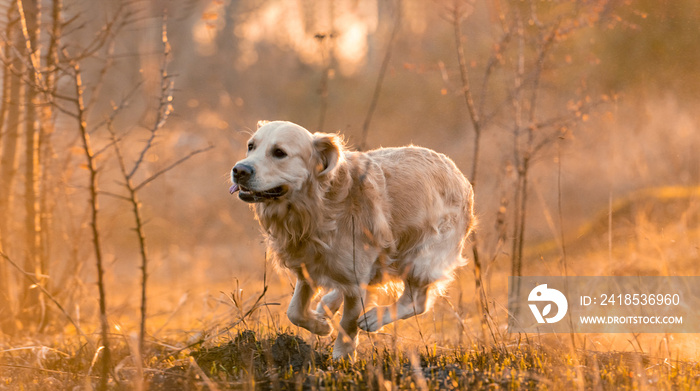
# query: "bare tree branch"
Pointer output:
{"type": "Point", "coordinates": [380, 78]}
{"type": "Point", "coordinates": [474, 115]}
{"type": "Point", "coordinates": [96, 238]}
{"type": "Point", "coordinates": [171, 166]}
{"type": "Point", "coordinates": [164, 105]}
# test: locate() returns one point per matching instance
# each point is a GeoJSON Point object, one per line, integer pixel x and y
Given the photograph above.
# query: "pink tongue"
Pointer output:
{"type": "Point", "coordinates": [233, 188]}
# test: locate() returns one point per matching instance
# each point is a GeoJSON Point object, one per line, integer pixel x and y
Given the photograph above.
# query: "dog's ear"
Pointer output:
{"type": "Point", "coordinates": [328, 148]}
{"type": "Point", "coordinates": [261, 123]}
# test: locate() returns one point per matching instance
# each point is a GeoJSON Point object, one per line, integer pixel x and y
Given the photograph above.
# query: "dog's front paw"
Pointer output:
{"type": "Point", "coordinates": [371, 320]}
{"type": "Point", "coordinates": [312, 321]}
{"type": "Point", "coordinates": [318, 324]}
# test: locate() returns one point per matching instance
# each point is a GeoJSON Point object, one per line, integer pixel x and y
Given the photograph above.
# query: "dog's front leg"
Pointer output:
{"type": "Point", "coordinates": [300, 314]}
{"type": "Point", "coordinates": [346, 342]}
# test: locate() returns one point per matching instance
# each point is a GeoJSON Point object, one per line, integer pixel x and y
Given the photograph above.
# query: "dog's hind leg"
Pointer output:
{"type": "Point", "coordinates": [300, 314]}
{"type": "Point", "coordinates": [413, 301]}
{"type": "Point", "coordinates": [330, 303]}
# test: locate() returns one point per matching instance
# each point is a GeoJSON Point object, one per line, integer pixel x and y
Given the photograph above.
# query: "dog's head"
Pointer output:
{"type": "Point", "coordinates": [282, 157]}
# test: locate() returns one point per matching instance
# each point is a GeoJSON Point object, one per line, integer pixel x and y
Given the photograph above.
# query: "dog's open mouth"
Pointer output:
{"type": "Point", "coordinates": [248, 195]}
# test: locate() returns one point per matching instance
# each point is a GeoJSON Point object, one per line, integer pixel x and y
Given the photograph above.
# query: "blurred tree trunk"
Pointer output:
{"type": "Point", "coordinates": [46, 131]}
{"type": "Point", "coordinates": [29, 14]}
{"type": "Point", "coordinates": [11, 94]}
{"type": "Point", "coordinates": [4, 289]}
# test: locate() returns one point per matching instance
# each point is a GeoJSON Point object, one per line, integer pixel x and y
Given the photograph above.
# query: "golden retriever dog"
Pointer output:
{"type": "Point", "coordinates": [345, 221]}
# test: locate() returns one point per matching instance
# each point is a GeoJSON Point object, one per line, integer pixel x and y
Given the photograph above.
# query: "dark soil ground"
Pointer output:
{"type": "Point", "coordinates": [286, 362]}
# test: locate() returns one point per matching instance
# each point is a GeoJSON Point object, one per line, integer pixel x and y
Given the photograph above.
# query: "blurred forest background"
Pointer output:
{"type": "Point", "coordinates": [120, 121]}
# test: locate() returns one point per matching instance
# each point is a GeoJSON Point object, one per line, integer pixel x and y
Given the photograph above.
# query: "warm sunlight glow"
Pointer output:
{"type": "Point", "coordinates": [298, 26]}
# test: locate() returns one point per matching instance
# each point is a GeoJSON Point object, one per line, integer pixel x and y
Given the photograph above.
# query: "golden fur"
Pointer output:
{"type": "Point", "coordinates": [344, 220]}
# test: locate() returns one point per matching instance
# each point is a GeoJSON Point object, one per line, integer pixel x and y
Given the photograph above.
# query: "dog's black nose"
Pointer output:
{"type": "Point", "coordinates": [242, 173]}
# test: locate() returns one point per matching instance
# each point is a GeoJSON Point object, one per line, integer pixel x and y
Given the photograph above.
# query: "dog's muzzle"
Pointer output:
{"type": "Point", "coordinates": [242, 174]}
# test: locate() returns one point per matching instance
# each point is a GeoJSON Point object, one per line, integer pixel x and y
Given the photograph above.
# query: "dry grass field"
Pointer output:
{"type": "Point", "coordinates": [239, 337]}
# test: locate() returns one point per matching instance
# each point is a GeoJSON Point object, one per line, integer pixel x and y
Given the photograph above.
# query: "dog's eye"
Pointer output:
{"type": "Point", "coordinates": [250, 147]}
{"type": "Point", "coordinates": [279, 154]}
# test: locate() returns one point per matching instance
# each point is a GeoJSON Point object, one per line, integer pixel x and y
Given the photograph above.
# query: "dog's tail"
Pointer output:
{"type": "Point", "coordinates": [469, 212]}
{"type": "Point", "coordinates": [467, 252]}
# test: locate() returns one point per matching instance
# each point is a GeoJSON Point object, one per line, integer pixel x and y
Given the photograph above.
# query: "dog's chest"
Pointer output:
{"type": "Point", "coordinates": [326, 266]}
{"type": "Point", "coordinates": [327, 272]}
